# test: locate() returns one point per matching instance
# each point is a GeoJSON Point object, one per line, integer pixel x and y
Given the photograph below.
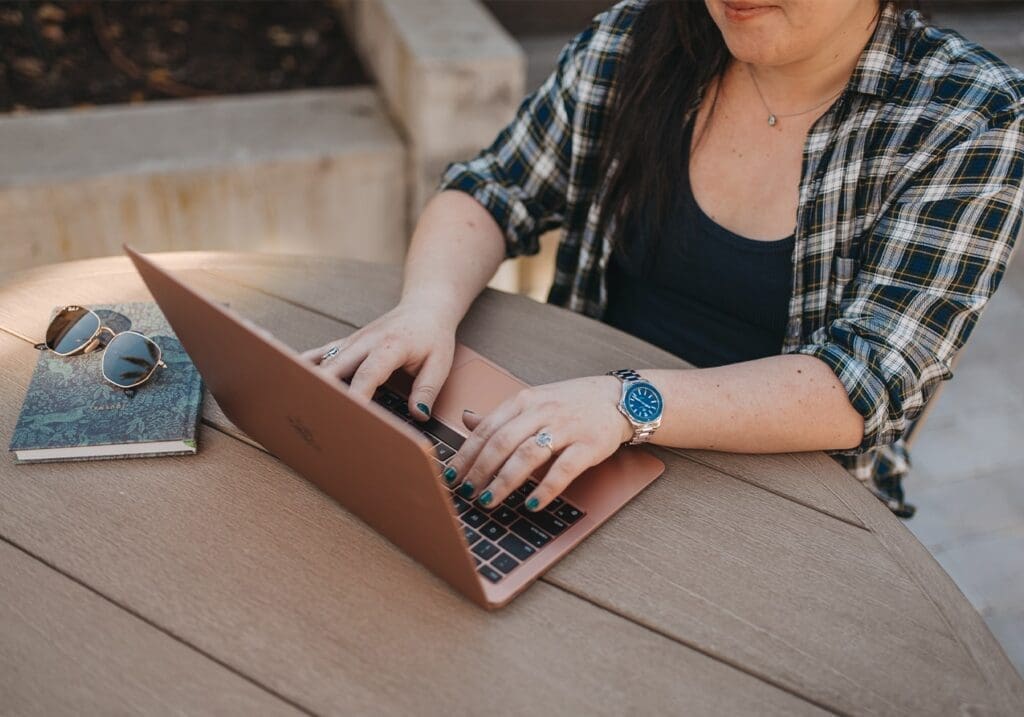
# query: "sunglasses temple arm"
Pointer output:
{"type": "Point", "coordinates": [36, 344]}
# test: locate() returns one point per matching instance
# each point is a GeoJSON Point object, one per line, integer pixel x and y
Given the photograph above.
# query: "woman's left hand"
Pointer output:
{"type": "Point", "coordinates": [582, 418]}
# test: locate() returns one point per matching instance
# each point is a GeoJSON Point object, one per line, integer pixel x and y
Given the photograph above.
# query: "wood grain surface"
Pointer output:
{"type": "Point", "coordinates": [733, 584]}
{"type": "Point", "coordinates": [67, 650]}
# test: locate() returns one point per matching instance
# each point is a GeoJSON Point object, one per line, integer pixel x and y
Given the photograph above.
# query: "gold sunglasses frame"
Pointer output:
{"type": "Point", "coordinates": [93, 343]}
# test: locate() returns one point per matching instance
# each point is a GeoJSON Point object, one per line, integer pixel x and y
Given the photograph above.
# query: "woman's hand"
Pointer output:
{"type": "Point", "coordinates": [582, 418]}
{"type": "Point", "coordinates": [416, 338]}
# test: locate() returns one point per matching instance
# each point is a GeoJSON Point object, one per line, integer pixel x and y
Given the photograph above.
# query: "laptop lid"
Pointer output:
{"type": "Point", "coordinates": [368, 460]}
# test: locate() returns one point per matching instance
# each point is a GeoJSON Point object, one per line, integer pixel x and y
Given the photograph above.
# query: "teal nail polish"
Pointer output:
{"type": "Point", "coordinates": [466, 490]}
{"type": "Point", "coordinates": [449, 474]}
{"type": "Point", "coordinates": [532, 504]}
{"type": "Point", "coordinates": [424, 408]}
{"type": "Point", "coordinates": [485, 498]}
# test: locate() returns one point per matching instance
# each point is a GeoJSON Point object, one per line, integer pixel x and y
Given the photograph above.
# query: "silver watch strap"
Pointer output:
{"type": "Point", "coordinates": [626, 374]}
{"type": "Point", "coordinates": [642, 435]}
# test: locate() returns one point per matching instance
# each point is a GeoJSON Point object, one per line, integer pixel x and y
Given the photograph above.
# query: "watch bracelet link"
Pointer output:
{"type": "Point", "coordinates": [626, 374]}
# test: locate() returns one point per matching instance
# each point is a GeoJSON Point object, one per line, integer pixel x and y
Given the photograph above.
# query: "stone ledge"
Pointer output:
{"type": "Point", "coordinates": [317, 171]}
{"type": "Point", "coordinates": [176, 136]}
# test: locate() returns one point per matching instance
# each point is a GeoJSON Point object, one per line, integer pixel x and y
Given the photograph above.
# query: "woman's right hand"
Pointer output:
{"type": "Point", "coordinates": [416, 338]}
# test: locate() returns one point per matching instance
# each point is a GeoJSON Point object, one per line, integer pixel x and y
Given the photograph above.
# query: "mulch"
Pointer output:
{"type": "Point", "coordinates": [86, 53]}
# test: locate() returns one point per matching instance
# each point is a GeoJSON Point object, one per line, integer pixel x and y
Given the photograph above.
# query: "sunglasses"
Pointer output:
{"type": "Point", "coordinates": [129, 358]}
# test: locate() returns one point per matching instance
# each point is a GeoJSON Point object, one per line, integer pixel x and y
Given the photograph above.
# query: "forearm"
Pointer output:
{"type": "Point", "coordinates": [772, 405]}
{"type": "Point", "coordinates": [455, 250]}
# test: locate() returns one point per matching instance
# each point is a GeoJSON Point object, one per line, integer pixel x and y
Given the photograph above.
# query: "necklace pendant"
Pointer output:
{"type": "Point", "coordinates": [772, 120]}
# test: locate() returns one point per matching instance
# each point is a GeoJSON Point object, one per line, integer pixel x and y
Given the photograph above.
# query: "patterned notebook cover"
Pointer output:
{"type": "Point", "coordinates": [68, 405]}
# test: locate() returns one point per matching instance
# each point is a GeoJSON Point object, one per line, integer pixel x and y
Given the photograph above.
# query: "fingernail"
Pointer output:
{"type": "Point", "coordinates": [450, 474]}
{"type": "Point", "coordinates": [424, 409]}
{"type": "Point", "coordinates": [470, 411]}
{"type": "Point", "coordinates": [466, 490]}
{"type": "Point", "coordinates": [485, 498]}
{"type": "Point", "coordinates": [532, 504]}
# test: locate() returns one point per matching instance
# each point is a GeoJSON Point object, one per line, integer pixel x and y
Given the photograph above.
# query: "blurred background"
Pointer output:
{"type": "Point", "coordinates": [322, 126]}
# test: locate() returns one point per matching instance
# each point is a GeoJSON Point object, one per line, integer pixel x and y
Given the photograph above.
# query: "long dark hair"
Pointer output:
{"type": "Point", "coordinates": [677, 50]}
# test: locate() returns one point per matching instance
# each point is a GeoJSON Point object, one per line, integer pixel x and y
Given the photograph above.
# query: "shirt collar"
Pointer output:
{"type": "Point", "coordinates": [880, 63]}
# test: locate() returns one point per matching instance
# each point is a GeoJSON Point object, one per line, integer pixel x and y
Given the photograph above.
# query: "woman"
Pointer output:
{"type": "Point", "coordinates": [811, 201]}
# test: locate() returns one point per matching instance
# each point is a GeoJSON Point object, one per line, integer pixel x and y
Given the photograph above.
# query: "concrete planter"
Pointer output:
{"type": "Point", "coordinates": [315, 171]}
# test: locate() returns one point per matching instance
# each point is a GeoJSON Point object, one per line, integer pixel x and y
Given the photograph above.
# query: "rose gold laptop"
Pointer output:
{"type": "Point", "coordinates": [309, 422]}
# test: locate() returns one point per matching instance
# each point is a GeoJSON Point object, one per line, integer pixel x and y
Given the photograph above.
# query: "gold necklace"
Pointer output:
{"type": "Point", "coordinates": [774, 118]}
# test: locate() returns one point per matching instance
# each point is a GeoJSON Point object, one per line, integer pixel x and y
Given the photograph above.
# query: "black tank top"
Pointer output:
{"type": "Point", "coordinates": [710, 296]}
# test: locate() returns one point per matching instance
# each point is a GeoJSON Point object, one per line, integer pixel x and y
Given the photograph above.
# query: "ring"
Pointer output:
{"type": "Point", "coordinates": [544, 440]}
{"type": "Point", "coordinates": [330, 353]}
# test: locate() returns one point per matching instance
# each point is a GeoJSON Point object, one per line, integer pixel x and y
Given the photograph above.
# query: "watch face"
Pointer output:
{"type": "Point", "coordinates": [643, 403]}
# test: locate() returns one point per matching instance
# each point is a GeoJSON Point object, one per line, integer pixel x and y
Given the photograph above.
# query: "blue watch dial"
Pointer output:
{"type": "Point", "coordinates": [643, 402]}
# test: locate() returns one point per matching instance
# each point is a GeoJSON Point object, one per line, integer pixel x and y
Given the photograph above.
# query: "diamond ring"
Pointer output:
{"type": "Point", "coordinates": [330, 353]}
{"type": "Point", "coordinates": [544, 440]}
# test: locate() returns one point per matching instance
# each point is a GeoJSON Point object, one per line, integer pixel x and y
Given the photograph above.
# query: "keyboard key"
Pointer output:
{"type": "Point", "coordinates": [477, 561]}
{"type": "Point", "coordinates": [555, 504]}
{"type": "Point", "coordinates": [547, 522]}
{"type": "Point", "coordinates": [503, 514]}
{"type": "Point", "coordinates": [461, 506]}
{"type": "Point", "coordinates": [530, 533]}
{"type": "Point", "coordinates": [436, 431]}
{"type": "Point", "coordinates": [443, 451]}
{"type": "Point", "coordinates": [490, 573]}
{"type": "Point", "coordinates": [443, 433]}
{"type": "Point", "coordinates": [505, 563]}
{"type": "Point", "coordinates": [492, 530]}
{"type": "Point", "coordinates": [474, 518]}
{"type": "Point", "coordinates": [516, 547]}
{"type": "Point", "coordinates": [515, 499]}
{"type": "Point", "coordinates": [438, 466]}
{"type": "Point", "coordinates": [387, 398]}
{"type": "Point", "coordinates": [526, 488]}
{"type": "Point", "coordinates": [471, 535]}
{"type": "Point", "coordinates": [485, 549]}
{"type": "Point", "coordinates": [569, 513]}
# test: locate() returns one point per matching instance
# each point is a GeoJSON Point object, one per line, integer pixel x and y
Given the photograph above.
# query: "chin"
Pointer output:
{"type": "Point", "coordinates": [759, 45]}
{"type": "Point", "coordinates": [757, 52]}
{"type": "Point", "coordinates": [765, 38]}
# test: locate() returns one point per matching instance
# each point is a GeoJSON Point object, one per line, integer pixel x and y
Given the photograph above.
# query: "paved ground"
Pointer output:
{"type": "Point", "coordinates": [968, 479]}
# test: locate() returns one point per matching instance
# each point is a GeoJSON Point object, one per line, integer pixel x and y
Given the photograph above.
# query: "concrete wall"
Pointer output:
{"type": "Point", "coordinates": [451, 75]}
{"type": "Point", "coordinates": [319, 171]}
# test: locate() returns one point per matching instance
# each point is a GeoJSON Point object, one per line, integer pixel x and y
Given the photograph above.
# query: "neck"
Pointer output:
{"type": "Point", "coordinates": [797, 85]}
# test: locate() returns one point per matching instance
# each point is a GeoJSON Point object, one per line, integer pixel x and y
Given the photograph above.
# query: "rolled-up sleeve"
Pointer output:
{"type": "Point", "coordinates": [927, 268]}
{"type": "Point", "coordinates": [522, 178]}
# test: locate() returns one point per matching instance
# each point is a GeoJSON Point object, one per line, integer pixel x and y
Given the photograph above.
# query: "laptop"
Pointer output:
{"type": "Point", "coordinates": [380, 464]}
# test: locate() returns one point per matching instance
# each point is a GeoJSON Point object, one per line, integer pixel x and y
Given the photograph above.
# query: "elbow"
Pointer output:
{"type": "Point", "coordinates": [880, 402]}
{"type": "Point", "coordinates": [851, 430]}
{"type": "Point", "coordinates": [886, 414]}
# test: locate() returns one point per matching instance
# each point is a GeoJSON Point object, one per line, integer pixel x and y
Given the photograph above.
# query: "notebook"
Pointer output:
{"type": "Point", "coordinates": [71, 413]}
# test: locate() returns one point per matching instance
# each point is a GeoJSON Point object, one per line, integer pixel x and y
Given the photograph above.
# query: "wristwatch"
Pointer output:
{"type": "Point", "coordinates": [640, 403]}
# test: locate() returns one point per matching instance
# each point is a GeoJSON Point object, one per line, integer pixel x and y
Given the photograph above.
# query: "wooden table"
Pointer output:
{"type": "Point", "coordinates": [223, 582]}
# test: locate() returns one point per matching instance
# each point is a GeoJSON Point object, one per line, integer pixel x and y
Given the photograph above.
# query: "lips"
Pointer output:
{"type": "Point", "coordinates": [738, 10]}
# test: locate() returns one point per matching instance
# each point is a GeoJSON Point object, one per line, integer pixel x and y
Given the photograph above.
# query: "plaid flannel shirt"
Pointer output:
{"type": "Point", "coordinates": [909, 204]}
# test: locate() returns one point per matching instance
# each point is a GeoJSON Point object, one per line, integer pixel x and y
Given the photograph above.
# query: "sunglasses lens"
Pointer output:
{"type": "Point", "coordinates": [71, 329]}
{"type": "Point", "coordinates": [129, 359]}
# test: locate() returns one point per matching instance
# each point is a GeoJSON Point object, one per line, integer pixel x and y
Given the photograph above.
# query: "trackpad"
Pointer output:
{"type": "Point", "coordinates": [476, 385]}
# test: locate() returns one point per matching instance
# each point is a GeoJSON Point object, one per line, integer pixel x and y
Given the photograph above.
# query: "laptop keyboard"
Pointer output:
{"type": "Point", "coordinates": [502, 537]}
